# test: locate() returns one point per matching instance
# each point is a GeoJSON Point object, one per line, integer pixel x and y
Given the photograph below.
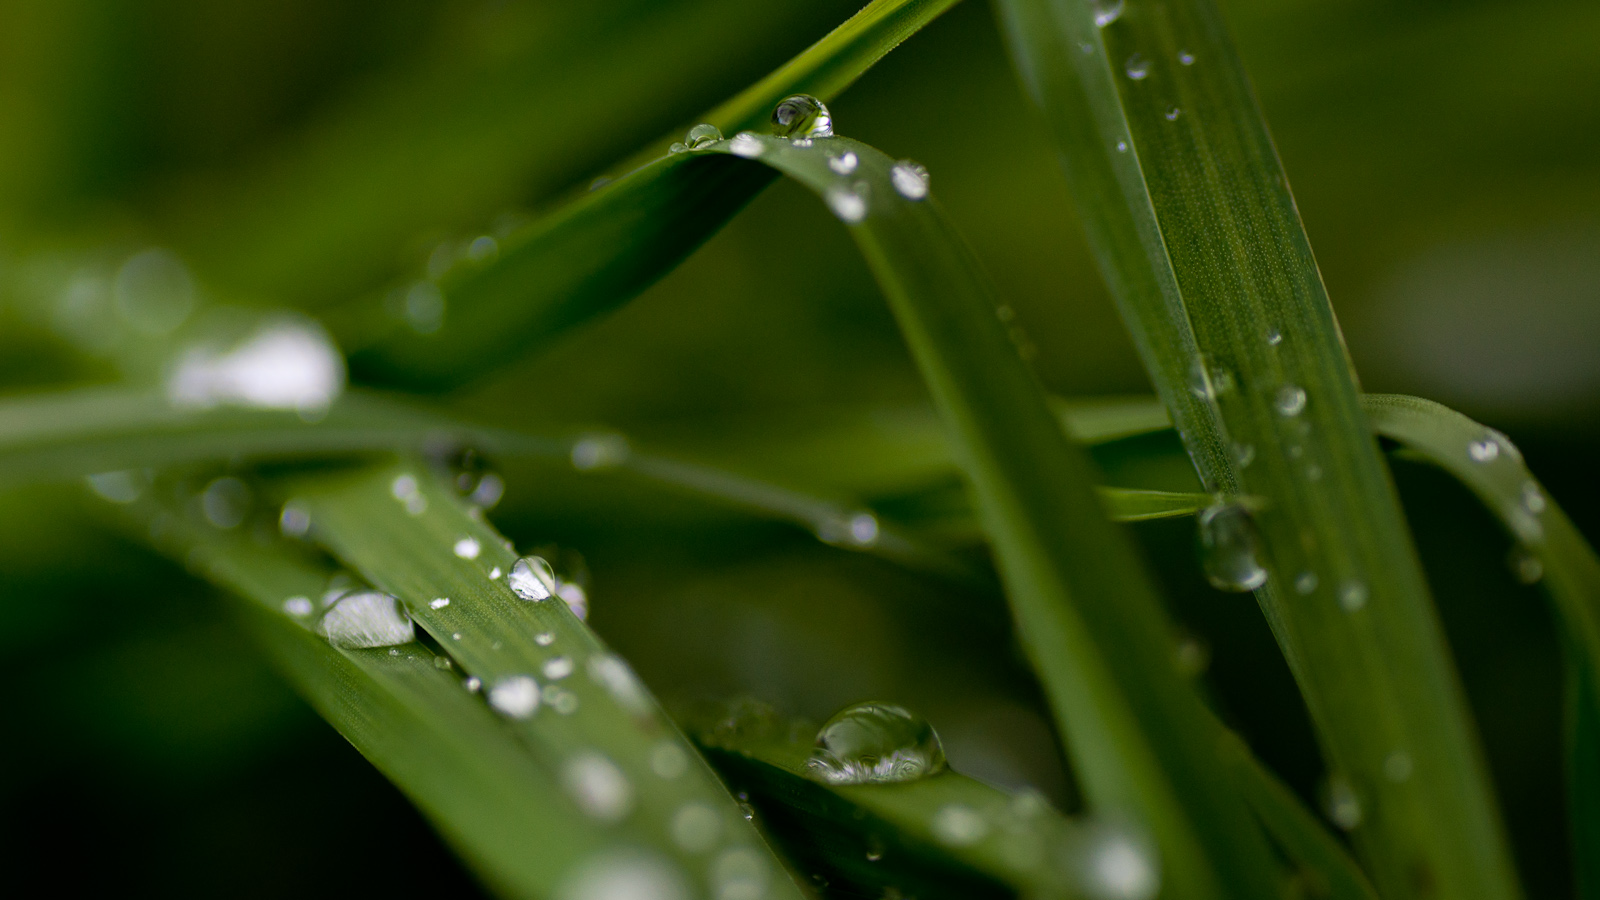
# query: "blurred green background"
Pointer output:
{"type": "Point", "coordinates": [297, 154]}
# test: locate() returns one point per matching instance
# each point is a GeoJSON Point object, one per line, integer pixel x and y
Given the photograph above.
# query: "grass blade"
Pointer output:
{"type": "Point", "coordinates": [599, 250]}
{"type": "Point", "coordinates": [592, 722]}
{"type": "Point", "coordinates": [1090, 622]}
{"type": "Point", "coordinates": [1196, 230]}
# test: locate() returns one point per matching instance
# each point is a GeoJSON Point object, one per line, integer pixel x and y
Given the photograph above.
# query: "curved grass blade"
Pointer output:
{"type": "Point", "coordinates": [579, 708]}
{"type": "Point", "coordinates": [1195, 229]}
{"type": "Point", "coordinates": [1090, 622]}
{"type": "Point", "coordinates": [599, 250]}
{"type": "Point", "coordinates": [411, 718]}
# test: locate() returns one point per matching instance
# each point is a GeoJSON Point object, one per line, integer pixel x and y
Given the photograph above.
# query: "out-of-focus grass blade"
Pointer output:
{"type": "Point", "coordinates": [1088, 618]}
{"type": "Point", "coordinates": [590, 721]}
{"type": "Point", "coordinates": [406, 713]}
{"type": "Point", "coordinates": [599, 250]}
{"type": "Point", "coordinates": [1191, 218]}
{"type": "Point", "coordinates": [1583, 774]}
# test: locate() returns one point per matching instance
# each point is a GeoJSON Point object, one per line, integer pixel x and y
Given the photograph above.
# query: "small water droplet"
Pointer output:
{"type": "Point", "coordinates": [740, 874]}
{"type": "Point", "coordinates": [532, 579]}
{"type": "Point", "coordinates": [746, 145]}
{"type": "Point", "coordinates": [956, 825]}
{"type": "Point", "coordinates": [702, 136]}
{"type": "Point", "coordinates": [599, 182]}
{"type": "Point", "coordinates": [226, 502]}
{"type": "Point", "coordinates": [443, 663]}
{"type": "Point", "coordinates": [1397, 766]}
{"type": "Point", "coordinates": [294, 521]}
{"type": "Point", "coordinates": [1244, 454]}
{"type": "Point", "coordinates": [1137, 67]}
{"type": "Point", "coordinates": [558, 668]}
{"type": "Point", "coordinates": [910, 179]}
{"type": "Point", "coordinates": [1484, 450]}
{"type": "Point", "coordinates": [844, 164]}
{"type": "Point", "coordinates": [1352, 596]}
{"type": "Point", "coordinates": [695, 827]}
{"type": "Point", "coordinates": [544, 638]}
{"type": "Point", "coordinates": [455, 635]}
{"type": "Point", "coordinates": [1117, 867]}
{"type": "Point", "coordinates": [1173, 113]}
{"type": "Point", "coordinates": [870, 743]}
{"type": "Point", "coordinates": [576, 598]}
{"type": "Point", "coordinates": [668, 760]}
{"type": "Point", "coordinates": [1305, 582]}
{"type": "Point", "coordinates": [1230, 548]}
{"type": "Point", "coordinates": [118, 487]}
{"type": "Point", "coordinates": [1290, 401]}
{"type": "Point", "coordinates": [483, 247]}
{"type": "Point", "coordinates": [803, 116]}
{"type": "Point", "coordinates": [1526, 566]}
{"type": "Point", "coordinates": [298, 606]}
{"type": "Point", "coordinates": [468, 548]}
{"type": "Point", "coordinates": [561, 700]}
{"type": "Point", "coordinates": [1274, 337]}
{"type": "Point", "coordinates": [367, 619]}
{"type": "Point", "coordinates": [494, 573]}
{"type": "Point", "coordinates": [848, 203]}
{"type": "Point", "coordinates": [473, 684]}
{"type": "Point", "coordinates": [1341, 803]}
{"type": "Point", "coordinates": [154, 291]}
{"type": "Point", "coordinates": [439, 603]}
{"type": "Point", "coordinates": [614, 675]}
{"type": "Point", "coordinates": [1191, 656]}
{"type": "Point", "coordinates": [516, 696]}
{"type": "Point", "coordinates": [1122, 146]}
{"type": "Point", "coordinates": [677, 147]}
{"type": "Point", "coordinates": [599, 451]}
{"type": "Point", "coordinates": [598, 787]}
{"type": "Point", "coordinates": [1106, 11]}
{"type": "Point", "coordinates": [1085, 48]}
{"type": "Point", "coordinates": [1532, 498]}
{"type": "Point", "coordinates": [1185, 58]}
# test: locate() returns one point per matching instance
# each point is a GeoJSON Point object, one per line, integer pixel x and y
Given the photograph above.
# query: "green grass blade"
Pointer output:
{"type": "Point", "coordinates": [1583, 774]}
{"type": "Point", "coordinates": [599, 250]}
{"type": "Point", "coordinates": [412, 719]}
{"type": "Point", "coordinates": [596, 725]}
{"type": "Point", "coordinates": [1195, 229]}
{"type": "Point", "coordinates": [1089, 620]}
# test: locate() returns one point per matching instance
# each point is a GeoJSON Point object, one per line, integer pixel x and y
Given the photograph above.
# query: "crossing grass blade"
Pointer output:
{"type": "Point", "coordinates": [597, 251]}
{"type": "Point", "coordinates": [1195, 229]}
{"type": "Point", "coordinates": [595, 726]}
{"type": "Point", "coordinates": [1086, 615]}
{"type": "Point", "coordinates": [411, 718]}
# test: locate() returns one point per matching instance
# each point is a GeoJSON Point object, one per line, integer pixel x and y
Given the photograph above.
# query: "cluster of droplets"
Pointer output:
{"type": "Point", "coordinates": [871, 743]}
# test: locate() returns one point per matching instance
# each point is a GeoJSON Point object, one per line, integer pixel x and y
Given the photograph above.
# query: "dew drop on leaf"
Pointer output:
{"type": "Point", "coordinates": [1230, 548]}
{"type": "Point", "coordinates": [532, 579]}
{"type": "Point", "coordinates": [1106, 11]}
{"type": "Point", "coordinates": [910, 179]}
{"type": "Point", "coordinates": [365, 619]}
{"type": "Point", "coordinates": [516, 696]}
{"type": "Point", "coordinates": [702, 136]}
{"type": "Point", "coordinates": [598, 787]}
{"type": "Point", "coordinates": [848, 203]}
{"type": "Point", "coordinates": [695, 827]}
{"type": "Point", "coordinates": [956, 825]}
{"type": "Point", "coordinates": [801, 116]}
{"type": "Point", "coordinates": [1290, 401]}
{"type": "Point", "coordinates": [872, 743]}
{"type": "Point", "coordinates": [844, 164]}
{"type": "Point", "coordinates": [746, 145]}
{"type": "Point", "coordinates": [1137, 67]}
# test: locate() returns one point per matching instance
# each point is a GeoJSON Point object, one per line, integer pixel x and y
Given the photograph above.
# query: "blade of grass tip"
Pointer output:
{"type": "Point", "coordinates": [411, 718]}
{"type": "Point", "coordinates": [1550, 550]}
{"type": "Point", "coordinates": [1088, 618]}
{"type": "Point", "coordinates": [937, 835]}
{"type": "Point", "coordinates": [601, 249]}
{"type": "Point", "coordinates": [511, 623]}
{"type": "Point", "coordinates": [1195, 229]}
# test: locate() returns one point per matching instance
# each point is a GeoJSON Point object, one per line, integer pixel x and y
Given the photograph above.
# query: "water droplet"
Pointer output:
{"type": "Point", "coordinates": [668, 760]}
{"type": "Point", "coordinates": [1106, 11]}
{"type": "Point", "coordinates": [1352, 596]}
{"type": "Point", "coordinates": [803, 116]}
{"type": "Point", "coordinates": [544, 639]}
{"type": "Point", "coordinates": [516, 696]}
{"type": "Point", "coordinates": [494, 573]}
{"type": "Point", "coordinates": [598, 787]}
{"type": "Point", "coordinates": [847, 203]}
{"type": "Point", "coordinates": [532, 579]}
{"type": "Point", "coordinates": [740, 874]}
{"type": "Point", "coordinates": [473, 684]}
{"type": "Point", "coordinates": [298, 606]}
{"type": "Point", "coordinates": [1173, 113]}
{"type": "Point", "coordinates": [677, 147]}
{"type": "Point", "coordinates": [1191, 656]}
{"type": "Point", "coordinates": [599, 182]}
{"type": "Point", "coordinates": [576, 598]}
{"type": "Point", "coordinates": [288, 362]}
{"type": "Point", "coordinates": [443, 663]}
{"type": "Point", "coordinates": [1185, 58]}
{"type": "Point", "coordinates": [1137, 67]}
{"type": "Point", "coordinates": [1244, 454]}
{"type": "Point", "coordinates": [1341, 803]}
{"type": "Point", "coordinates": [294, 520]}
{"type": "Point", "coordinates": [614, 675]}
{"type": "Point", "coordinates": [1305, 582]}
{"type": "Point", "coordinates": [1274, 337]}
{"type": "Point", "coordinates": [558, 668]}
{"type": "Point", "coordinates": [702, 136]}
{"type": "Point", "coordinates": [1526, 566]}
{"type": "Point", "coordinates": [959, 826]}
{"type": "Point", "coordinates": [118, 487]}
{"type": "Point", "coordinates": [482, 247]}
{"type": "Point", "coordinates": [367, 619]}
{"type": "Point", "coordinates": [154, 291]}
{"type": "Point", "coordinates": [599, 451]}
{"type": "Point", "coordinates": [910, 179]}
{"type": "Point", "coordinates": [1397, 766]}
{"type": "Point", "coordinates": [871, 743]}
{"type": "Point", "coordinates": [1230, 548]}
{"type": "Point", "coordinates": [624, 875]}
{"type": "Point", "coordinates": [423, 307]}
{"type": "Point", "coordinates": [1122, 146]}
{"type": "Point", "coordinates": [695, 827]}
{"type": "Point", "coordinates": [1085, 48]}
{"type": "Point", "coordinates": [1290, 401]}
{"type": "Point", "coordinates": [1532, 498]}
{"type": "Point", "coordinates": [746, 145]}
{"type": "Point", "coordinates": [1115, 866]}
{"type": "Point", "coordinates": [561, 700]}
{"type": "Point", "coordinates": [844, 164]}
{"type": "Point", "coordinates": [1484, 450]}
{"type": "Point", "coordinates": [439, 603]}
{"type": "Point", "coordinates": [468, 548]}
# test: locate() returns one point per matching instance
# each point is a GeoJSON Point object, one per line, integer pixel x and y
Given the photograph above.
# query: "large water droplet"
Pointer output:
{"type": "Point", "coordinates": [286, 363]}
{"type": "Point", "coordinates": [872, 743]}
{"type": "Point", "coordinates": [1230, 548]}
{"type": "Point", "coordinates": [367, 619]}
{"type": "Point", "coordinates": [910, 179]}
{"type": "Point", "coordinates": [702, 136]}
{"type": "Point", "coordinates": [532, 579]}
{"type": "Point", "coordinates": [848, 203]}
{"type": "Point", "coordinates": [1137, 67]}
{"type": "Point", "coordinates": [1290, 401]}
{"type": "Point", "coordinates": [598, 787]}
{"type": "Point", "coordinates": [1106, 11]}
{"type": "Point", "coordinates": [801, 116]}
{"type": "Point", "coordinates": [516, 696]}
